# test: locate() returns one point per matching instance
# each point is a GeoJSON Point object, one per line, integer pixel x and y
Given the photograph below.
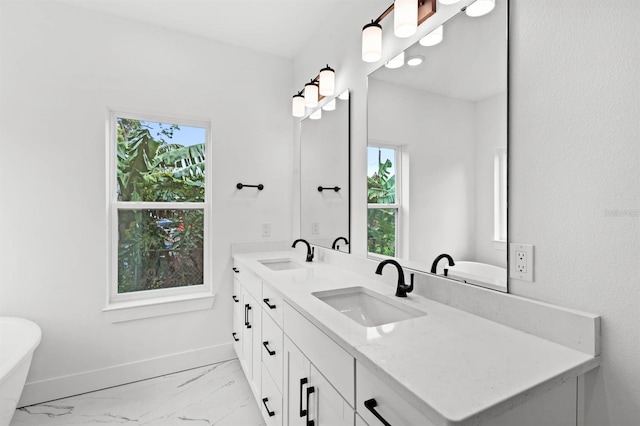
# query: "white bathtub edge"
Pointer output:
{"type": "Point", "coordinates": [75, 384]}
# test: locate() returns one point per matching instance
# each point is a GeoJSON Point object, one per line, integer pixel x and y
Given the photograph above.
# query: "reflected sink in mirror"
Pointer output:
{"type": "Point", "coordinates": [367, 307]}
{"type": "Point", "coordinates": [280, 264]}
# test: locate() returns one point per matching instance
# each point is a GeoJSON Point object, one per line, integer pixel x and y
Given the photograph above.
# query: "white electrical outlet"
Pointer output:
{"type": "Point", "coordinates": [315, 228]}
{"type": "Point", "coordinates": [521, 261]}
{"type": "Point", "coordinates": [266, 229]}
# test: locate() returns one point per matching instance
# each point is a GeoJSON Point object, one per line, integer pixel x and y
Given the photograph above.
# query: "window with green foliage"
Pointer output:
{"type": "Point", "coordinates": [383, 201]}
{"type": "Point", "coordinates": [158, 205]}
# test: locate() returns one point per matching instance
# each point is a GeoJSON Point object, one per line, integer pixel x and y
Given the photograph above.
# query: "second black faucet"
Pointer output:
{"type": "Point", "coordinates": [310, 251]}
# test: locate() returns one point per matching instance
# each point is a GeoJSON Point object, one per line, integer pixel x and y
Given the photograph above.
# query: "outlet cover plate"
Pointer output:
{"type": "Point", "coordinates": [521, 261]}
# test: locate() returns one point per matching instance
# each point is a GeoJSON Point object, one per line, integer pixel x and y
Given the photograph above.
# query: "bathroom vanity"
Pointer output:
{"type": "Point", "coordinates": [321, 344]}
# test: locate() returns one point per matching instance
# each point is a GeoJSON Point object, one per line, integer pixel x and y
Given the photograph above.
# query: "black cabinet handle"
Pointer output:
{"type": "Point", "coordinates": [269, 304]}
{"type": "Point", "coordinates": [371, 405]}
{"type": "Point", "coordinates": [303, 382]}
{"type": "Point", "coordinates": [235, 299]}
{"type": "Point", "coordinates": [310, 390]}
{"type": "Point", "coordinates": [234, 337]}
{"type": "Point", "coordinates": [247, 308]}
{"type": "Point", "coordinates": [266, 346]}
{"type": "Point", "coordinates": [269, 412]}
{"type": "Point", "coordinates": [236, 270]}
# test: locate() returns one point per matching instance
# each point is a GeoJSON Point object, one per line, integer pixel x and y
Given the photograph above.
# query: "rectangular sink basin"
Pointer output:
{"type": "Point", "coordinates": [280, 264]}
{"type": "Point", "coordinates": [367, 307]}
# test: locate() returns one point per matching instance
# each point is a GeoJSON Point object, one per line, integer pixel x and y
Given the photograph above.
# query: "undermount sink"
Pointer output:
{"type": "Point", "coordinates": [367, 307]}
{"type": "Point", "coordinates": [280, 264]}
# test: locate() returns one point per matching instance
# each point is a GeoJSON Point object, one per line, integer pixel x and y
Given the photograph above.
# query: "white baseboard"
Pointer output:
{"type": "Point", "coordinates": [75, 384]}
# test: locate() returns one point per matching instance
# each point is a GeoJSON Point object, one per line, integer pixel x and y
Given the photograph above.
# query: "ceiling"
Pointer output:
{"type": "Point", "coordinates": [278, 27]}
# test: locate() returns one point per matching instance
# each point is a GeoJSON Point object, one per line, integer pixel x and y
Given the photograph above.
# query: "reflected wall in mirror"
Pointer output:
{"type": "Point", "coordinates": [324, 175]}
{"type": "Point", "coordinates": [437, 153]}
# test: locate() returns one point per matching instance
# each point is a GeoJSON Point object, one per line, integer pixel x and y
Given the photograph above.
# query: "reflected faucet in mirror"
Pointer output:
{"type": "Point", "coordinates": [402, 289]}
{"type": "Point", "coordinates": [310, 251]}
{"type": "Point", "coordinates": [335, 245]}
{"type": "Point", "coordinates": [434, 265]}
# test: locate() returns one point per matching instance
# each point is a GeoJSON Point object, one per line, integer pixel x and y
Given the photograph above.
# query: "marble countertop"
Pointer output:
{"type": "Point", "coordinates": [449, 363]}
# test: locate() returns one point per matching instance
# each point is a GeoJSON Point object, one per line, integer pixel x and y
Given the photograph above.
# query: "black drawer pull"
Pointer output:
{"type": "Point", "coordinates": [303, 382]}
{"type": "Point", "coordinates": [247, 308]}
{"type": "Point", "coordinates": [371, 405]}
{"type": "Point", "coordinates": [234, 337]}
{"type": "Point", "coordinates": [236, 270]}
{"type": "Point", "coordinates": [269, 412]}
{"type": "Point", "coordinates": [269, 304]}
{"type": "Point", "coordinates": [266, 346]}
{"type": "Point", "coordinates": [235, 299]}
{"type": "Point", "coordinates": [310, 390]}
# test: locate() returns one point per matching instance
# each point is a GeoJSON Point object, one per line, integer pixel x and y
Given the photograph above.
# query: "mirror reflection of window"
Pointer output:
{"type": "Point", "coordinates": [500, 196]}
{"type": "Point", "coordinates": [383, 199]}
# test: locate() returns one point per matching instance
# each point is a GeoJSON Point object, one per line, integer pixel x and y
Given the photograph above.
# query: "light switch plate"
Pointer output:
{"type": "Point", "coordinates": [521, 261]}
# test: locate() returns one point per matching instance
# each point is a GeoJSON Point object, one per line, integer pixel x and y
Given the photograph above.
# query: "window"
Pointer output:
{"type": "Point", "coordinates": [383, 200]}
{"type": "Point", "coordinates": [500, 196]}
{"type": "Point", "coordinates": [159, 211]}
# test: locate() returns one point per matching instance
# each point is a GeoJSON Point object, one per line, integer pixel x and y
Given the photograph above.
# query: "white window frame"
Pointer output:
{"type": "Point", "coordinates": [165, 301]}
{"type": "Point", "coordinates": [500, 198]}
{"type": "Point", "coordinates": [397, 205]}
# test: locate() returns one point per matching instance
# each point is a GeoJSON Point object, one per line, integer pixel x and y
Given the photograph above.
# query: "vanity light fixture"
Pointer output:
{"type": "Point", "coordinates": [316, 115]}
{"type": "Point", "coordinates": [433, 38]}
{"type": "Point", "coordinates": [324, 84]}
{"type": "Point", "coordinates": [311, 94]}
{"type": "Point", "coordinates": [372, 42]}
{"type": "Point", "coordinates": [396, 62]}
{"type": "Point", "coordinates": [408, 14]}
{"type": "Point", "coordinates": [330, 106]}
{"type": "Point", "coordinates": [405, 18]}
{"type": "Point", "coordinates": [327, 81]}
{"type": "Point", "coordinates": [297, 105]}
{"type": "Point", "coordinates": [480, 7]}
{"type": "Point", "coordinates": [414, 61]}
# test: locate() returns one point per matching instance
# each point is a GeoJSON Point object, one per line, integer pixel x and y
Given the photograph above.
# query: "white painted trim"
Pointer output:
{"type": "Point", "coordinates": [75, 384]}
{"type": "Point", "coordinates": [160, 306]}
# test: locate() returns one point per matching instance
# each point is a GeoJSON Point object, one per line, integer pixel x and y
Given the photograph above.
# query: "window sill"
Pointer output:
{"type": "Point", "coordinates": [161, 306]}
{"type": "Point", "coordinates": [500, 245]}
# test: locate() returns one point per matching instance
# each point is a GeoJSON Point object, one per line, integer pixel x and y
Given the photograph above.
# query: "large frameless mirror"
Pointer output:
{"type": "Point", "coordinates": [324, 175]}
{"type": "Point", "coordinates": [437, 152]}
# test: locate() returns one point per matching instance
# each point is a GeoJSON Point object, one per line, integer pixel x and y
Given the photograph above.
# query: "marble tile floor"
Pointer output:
{"type": "Point", "coordinates": [217, 394]}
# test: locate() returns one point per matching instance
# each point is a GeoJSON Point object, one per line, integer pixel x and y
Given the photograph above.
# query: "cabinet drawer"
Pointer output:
{"type": "Point", "coordinates": [272, 349]}
{"type": "Point", "coordinates": [271, 401]}
{"type": "Point", "coordinates": [333, 362]}
{"type": "Point", "coordinates": [272, 304]}
{"type": "Point", "coordinates": [388, 403]}
{"type": "Point", "coordinates": [248, 280]}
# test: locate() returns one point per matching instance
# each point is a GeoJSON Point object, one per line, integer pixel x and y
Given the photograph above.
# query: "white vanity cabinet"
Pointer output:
{"type": "Point", "coordinates": [319, 376]}
{"type": "Point", "coordinates": [248, 320]}
{"type": "Point", "coordinates": [310, 398]}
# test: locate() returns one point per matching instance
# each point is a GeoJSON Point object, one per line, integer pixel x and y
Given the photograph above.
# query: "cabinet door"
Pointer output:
{"type": "Point", "coordinates": [238, 312]}
{"type": "Point", "coordinates": [327, 407]}
{"type": "Point", "coordinates": [251, 345]}
{"type": "Point", "coordinates": [297, 370]}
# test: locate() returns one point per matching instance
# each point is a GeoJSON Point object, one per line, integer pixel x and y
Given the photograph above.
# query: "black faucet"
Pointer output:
{"type": "Point", "coordinates": [310, 251]}
{"type": "Point", "coordinates": [402, 289]}
{"type": "Point", "coordinates": [335, 242]}
{"type": "Point", "coordinates": [434, 265]}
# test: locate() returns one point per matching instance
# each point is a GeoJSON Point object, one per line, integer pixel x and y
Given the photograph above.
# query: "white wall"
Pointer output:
{"type": "Point", "coordinates": [438, 135]}
{"type": "Point", "coordinates": [61, 69]}
{"type": "Point", "coordinates": [574, 161]}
